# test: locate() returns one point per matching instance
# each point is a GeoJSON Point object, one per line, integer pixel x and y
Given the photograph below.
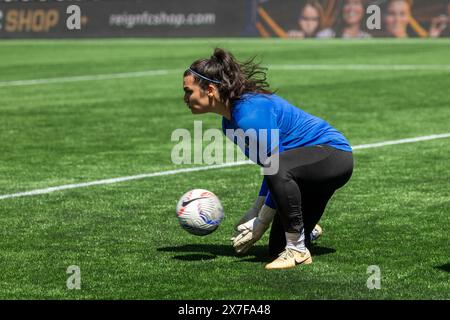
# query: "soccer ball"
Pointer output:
{"type": "Point", "coordinates": [199, 212]}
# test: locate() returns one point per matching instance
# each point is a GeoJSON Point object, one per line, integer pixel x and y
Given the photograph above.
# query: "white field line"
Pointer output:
{"type": "Point", "coordinates": [287, 67]}
{"type": "Point", "coordinates": [363, 67]}
{"type": "Point", "coordinates": [110, 76]}
{"type": "Point", "coordinates": [120, 179]}
{"type": "Point", "coordinates": [408, 140]}
{"type": "Point", "coordinates": [218, 166]}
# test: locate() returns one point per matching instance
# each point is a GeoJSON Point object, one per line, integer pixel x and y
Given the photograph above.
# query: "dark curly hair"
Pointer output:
{"type": "Point", "coordinates": [236, 78]}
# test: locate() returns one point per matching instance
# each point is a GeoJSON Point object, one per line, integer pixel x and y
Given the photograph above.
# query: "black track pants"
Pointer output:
{"type": "Point", "coordinates": [305, 182]}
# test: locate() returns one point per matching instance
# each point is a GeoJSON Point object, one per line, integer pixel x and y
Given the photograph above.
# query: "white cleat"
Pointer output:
{"type": "Point", "coordinates": [290, 258]}
{"type": "Point", "coordinates": [316, 233]}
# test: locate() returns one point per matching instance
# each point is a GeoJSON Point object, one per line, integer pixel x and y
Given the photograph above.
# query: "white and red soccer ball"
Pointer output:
{"type": "Point", "coordinates": [199, 212]}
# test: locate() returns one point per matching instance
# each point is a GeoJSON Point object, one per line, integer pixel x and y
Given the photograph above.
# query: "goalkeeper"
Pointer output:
{"type": "Point", "coordinates": [313, 158]}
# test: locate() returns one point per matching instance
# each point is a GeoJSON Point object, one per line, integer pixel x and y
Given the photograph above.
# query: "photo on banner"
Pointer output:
{"type": "Point", "coordinates": [322, 19]}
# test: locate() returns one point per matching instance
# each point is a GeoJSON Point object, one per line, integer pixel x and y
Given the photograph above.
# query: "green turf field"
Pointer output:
{"type": "Point", "coordinates": [394, 213]}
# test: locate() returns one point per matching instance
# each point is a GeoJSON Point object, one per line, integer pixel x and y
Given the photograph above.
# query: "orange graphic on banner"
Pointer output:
{"type": "Point", "coordinates": [421, 32]}
{"type": "Point", "coordinates": [272, 24]}
{"type": "Point", "coordinates": [262, 31]}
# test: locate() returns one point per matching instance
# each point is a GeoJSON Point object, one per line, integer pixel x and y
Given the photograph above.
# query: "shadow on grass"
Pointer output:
{"type": "Point", "coordinates": [444, 267]}
{"type": "Point", "coordinates": [199, 252]}
{"type": "Point", "coordinates": [320, 251]}
{"type": "Point", "coordinates": [195, 257]}
{"type": "Point", "coordinates": [205, 249]}
{"type": "Point", "coordinates": [265, 257]}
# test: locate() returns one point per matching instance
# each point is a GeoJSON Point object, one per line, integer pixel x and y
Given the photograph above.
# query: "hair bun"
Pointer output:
{"type": "Point", "coordinates": [220, 55]}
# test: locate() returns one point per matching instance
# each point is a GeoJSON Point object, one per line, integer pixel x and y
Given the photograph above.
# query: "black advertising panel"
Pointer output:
{"type": "Point", "coordinates": [231, 18]}
{"type": "Point", "coordinates": [156, 18]}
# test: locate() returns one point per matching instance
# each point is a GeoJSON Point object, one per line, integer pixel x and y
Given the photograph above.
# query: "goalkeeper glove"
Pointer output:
{"type": "Point", "coordinates": [253, 230]}
{"type": "Point", "coordinates": [250, 214]}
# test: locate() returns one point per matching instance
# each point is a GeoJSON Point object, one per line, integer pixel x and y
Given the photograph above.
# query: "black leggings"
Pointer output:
{"type": "Point", "coordinates": [305, 182]}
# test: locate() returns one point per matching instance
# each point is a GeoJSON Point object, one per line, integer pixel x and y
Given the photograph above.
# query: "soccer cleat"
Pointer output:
{"type": "Point", "coordinates": [316, 233]}
{"type": "Point", "coordinates": [289, 258]}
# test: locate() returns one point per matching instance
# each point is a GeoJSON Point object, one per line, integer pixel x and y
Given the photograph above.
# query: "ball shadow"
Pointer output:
{"type": "Point", "coordinates": [261, 254]}
{"type": "Point", "coordinates": [205, 249]}
{"type": "Point", "coordinates": [195, 257]}
{"type": "Point", "coordinates": [444, 267]}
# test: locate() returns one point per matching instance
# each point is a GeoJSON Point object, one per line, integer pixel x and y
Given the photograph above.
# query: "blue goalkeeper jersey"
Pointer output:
{"type": "Point", "coordinates": [296, 128]}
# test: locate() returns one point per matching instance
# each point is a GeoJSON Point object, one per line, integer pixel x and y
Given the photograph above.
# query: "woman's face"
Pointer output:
{"type": "Point", "coordinates": [195, 97]}
{"type": "Point", "coordinates": [309, 20]}
{"type": "Point", "coordinates": [397, 18]}
{"type": "Point", "coordinates": [353, 12]}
